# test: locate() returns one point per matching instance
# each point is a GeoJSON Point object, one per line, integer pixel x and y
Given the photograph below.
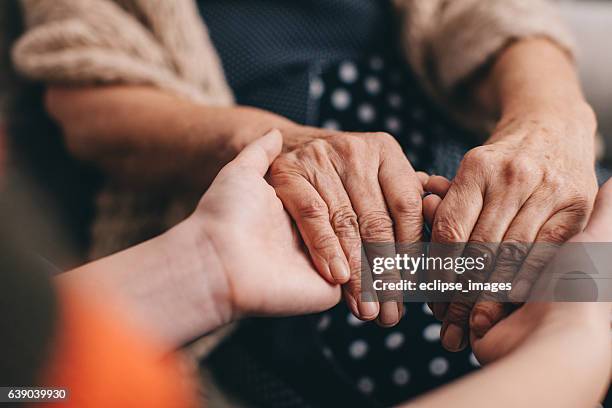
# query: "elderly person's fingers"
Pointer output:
{"type": "Point", "coordinates": [511, 253]}
{"type": "Point", "coordinates": [454, 220]}
{"type": "Point", "coordinates": [403, 198]}
{"type": "Point", "coordinates": [431, 203]}
{"type": "Point", "coordinates": [437, 185]}
{"type": "Point", "coordinates": [559, 228]}
{"type": "Point", "coordinates": [311, 215]}
{"type": "Point", "coordinates": [346, 225]}
{"type": "Point", "coordinates": [381, 205]}
{"type": "Point", "coordinates": [501, 204]}
{"type": "Point", "coordinates": [423, 178]}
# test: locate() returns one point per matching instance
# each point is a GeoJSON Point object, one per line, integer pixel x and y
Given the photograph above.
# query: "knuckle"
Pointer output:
{"type": "Point", "coordinates": [478, 156]}
{"type": "Point", "coordinates": [536, 261]}
{"type": "Point", "coordinates": [376, 226]}
{"type": "Point", "coordinates": [491, 308]}
{"type": "Point", "coordinates": [458, 312]}
{"type": "Point", "coordinates": [312, 209]}
{"type": "Point", "coordinates": [560, 232]}
{"type": "Point", "coordinates": [519, 170]}
{"type": "Point", "coordinates": [344, 222]}
{"type": "Point", "coordinates": [513, 251]}
{"type": "Point", "coordinates": [322, 243]}
{"type": "Point", "coordinates": [579, 204]}
{"type": "Point", "coordinates": [385, 140]}
{"type": "Point", "coordinates": [407, 207]}
{"type": "Point", "coordinates": [446, 230]}
{"type": "Point", "coordinates": [383, 137]}
{"type": "Point", "coordinates": [480, 249]}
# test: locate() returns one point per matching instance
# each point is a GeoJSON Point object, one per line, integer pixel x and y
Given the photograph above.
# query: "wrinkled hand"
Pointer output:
{"type": "Point", "coordinates": [533, 182]}
{"type": "Point", "coordinates": [345, 188]}
{"type": "Point", "coordinates": [535, 318]}
{"type": "Point", "coordinates": [265, 269]}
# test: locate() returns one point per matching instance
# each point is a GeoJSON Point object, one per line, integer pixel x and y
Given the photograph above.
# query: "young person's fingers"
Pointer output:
{"type": "Point", "coordinates": [259, 154]}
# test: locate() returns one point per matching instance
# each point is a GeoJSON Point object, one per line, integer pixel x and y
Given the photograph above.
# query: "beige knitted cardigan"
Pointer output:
{"type": "Point", "coordinates": [164, 43]}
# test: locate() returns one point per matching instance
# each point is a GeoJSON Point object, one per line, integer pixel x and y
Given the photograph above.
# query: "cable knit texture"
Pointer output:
{"type": "Point", "coordinates": [165, 44]}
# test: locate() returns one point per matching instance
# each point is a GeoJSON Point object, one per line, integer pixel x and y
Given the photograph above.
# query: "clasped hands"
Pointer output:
{"type": "Point", "coordinates": [341, 188]}
{"type": "Point", "coordinates": [532, 182]}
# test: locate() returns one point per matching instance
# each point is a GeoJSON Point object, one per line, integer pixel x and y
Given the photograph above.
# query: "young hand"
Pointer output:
{"type": "Point", "coordinates": [263, 267]}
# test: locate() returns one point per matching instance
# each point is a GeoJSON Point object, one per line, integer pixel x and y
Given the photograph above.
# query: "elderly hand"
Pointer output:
{"type": "Point", "coordinates": [534, 181]}
{"type": "Point", "coordinates": [265, 270]}
{"type": "Point", "coordinates": [538, 317]}
{"type": "Point", "coordinates": [345, 188]}
{"type": "Point", "coordinates": [533, 318]}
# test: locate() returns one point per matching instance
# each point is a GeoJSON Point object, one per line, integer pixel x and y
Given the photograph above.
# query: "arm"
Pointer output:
{"type": "Point", "coordinates": [320, 175]}
{"type": "Point", "coordinates": [188, 142]}
{"type": "Point", "coordinates": [169, 288]}
{"type": "Point", "coordinates": [230, 258]}
{"type": "Point", "coordinates": [543, 142]}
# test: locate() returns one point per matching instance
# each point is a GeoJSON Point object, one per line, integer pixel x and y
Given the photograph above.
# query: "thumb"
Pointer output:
{"type": "Point", "coordinates": [600, 223]}
{"type": "Point", "coordinates": [260, 153]}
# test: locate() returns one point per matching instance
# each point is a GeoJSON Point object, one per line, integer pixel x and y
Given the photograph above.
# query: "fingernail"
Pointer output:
{"type": "Point", "coordinates": [452, 339]}
{"type": "Point", "coordinates": [339, 270]}
{"type": "Point", "coordinates": [389, 314]}
{"type": "Point", "coordinates": [368, 310]}
{"type": "Point", "coordinates": [481, 324]}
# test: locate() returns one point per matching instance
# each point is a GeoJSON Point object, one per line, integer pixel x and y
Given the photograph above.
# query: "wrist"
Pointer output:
{"type": "Point", "coordinates": [199, 277]}
{"type": "Point", "coordinates": [250, 124]}
{"type": "Point", "coordinates": [573, 122]}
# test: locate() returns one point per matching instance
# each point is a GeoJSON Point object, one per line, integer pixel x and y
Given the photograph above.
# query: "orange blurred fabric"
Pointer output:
{"type": "Point", "coordinates": [104, 364]}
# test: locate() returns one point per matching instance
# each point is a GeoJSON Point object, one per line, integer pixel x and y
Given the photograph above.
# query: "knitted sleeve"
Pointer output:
{"type": "Point", "coordinates": [106, 41]}
{"type": "Point", "coordinates": [447, 41]}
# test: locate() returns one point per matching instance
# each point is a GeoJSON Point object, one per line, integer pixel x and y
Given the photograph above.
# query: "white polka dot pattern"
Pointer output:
{"type": "Point", "coordinates": [394, 340]}
{"type": "Point", "coordinates": [324, 322]}
{"type": "Point", "coordinates": [365, 385]}
{"type": "Point", "coordinates": [438, 366]}
{"type": "Point", "coordinates": [400, 376]}
{"type": "Point", "coordinates": [358, 349]}
{"type": "Point", "coordinates": [366, 113]}
{"type": "Point", "coordinates": [372, 85]}
{"type": "Point", "coordinates": [432, 332]}
{"type": "Point", "coordinates": [348, 72]}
